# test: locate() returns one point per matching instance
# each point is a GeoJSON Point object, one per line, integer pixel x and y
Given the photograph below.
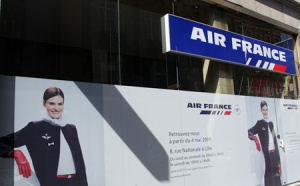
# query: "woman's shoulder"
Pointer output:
{"type": "Point", "coordinates": [35, 126]}
{"type": "Point", "coordinates": [38, 123]}
{"type": "Point", "coordinates": [70, 128]}
{"type": "Point", "coordinates": [69, 125]}
{"type": "Point", "coordinates": [261, 121]}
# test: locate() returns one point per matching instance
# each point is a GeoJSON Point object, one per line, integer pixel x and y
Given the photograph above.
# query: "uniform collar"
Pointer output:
{"type": "Point", "coordinates": [266, 120]}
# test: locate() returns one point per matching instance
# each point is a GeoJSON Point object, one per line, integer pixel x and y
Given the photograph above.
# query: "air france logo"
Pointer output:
{"type": "Point", "coordinates": [237, 109]}
{"type": "Point", "coordinates": [291, 106]}
{"type": "Point", "coordinates": [215, 109]}
{"type": "Point", "coordinates": [247, 47]}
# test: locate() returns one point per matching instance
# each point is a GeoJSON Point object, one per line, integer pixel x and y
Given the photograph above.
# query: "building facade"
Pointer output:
{"type": "Point", "coordinates": [145, 116]}
{"type": "Point", "coordinates": [119, 42]}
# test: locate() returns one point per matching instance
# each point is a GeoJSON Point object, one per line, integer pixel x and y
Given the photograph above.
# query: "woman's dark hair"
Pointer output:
{"type": "Point", "coordinates": [263, 103]}
{"type": "Point", "coordinates": [52, 92]}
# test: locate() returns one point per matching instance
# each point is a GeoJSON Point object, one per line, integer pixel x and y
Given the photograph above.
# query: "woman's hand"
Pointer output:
{"type": "Point", "coordinates": [23, 164]}
{"type": "Point", "coordinates": [257, 143]}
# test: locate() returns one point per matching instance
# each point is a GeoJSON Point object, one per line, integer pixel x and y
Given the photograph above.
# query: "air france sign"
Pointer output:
{"type": "Point", "coordinates": [183, 36]}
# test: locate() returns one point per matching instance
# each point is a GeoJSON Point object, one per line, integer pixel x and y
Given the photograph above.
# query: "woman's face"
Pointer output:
{"type": "Point", "coordinates": [264, 111]}
{"type": "Point", "coordinates": [54, 106]}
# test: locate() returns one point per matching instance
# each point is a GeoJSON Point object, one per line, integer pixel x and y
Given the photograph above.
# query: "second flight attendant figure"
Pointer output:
{"type": "Point", "coordinates": [53, 146]}
{"type": "Point", "coordinates": [265, 131]}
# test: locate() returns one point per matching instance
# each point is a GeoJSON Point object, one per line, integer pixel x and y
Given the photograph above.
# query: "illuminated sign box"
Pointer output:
{"type": "Point", "coordinates": [188, 37]}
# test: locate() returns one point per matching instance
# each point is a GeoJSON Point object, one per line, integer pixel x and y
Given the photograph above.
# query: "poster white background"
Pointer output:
{"type": "Point", "coordinates": [162, 112]}
{"type": "Point", "coordinates": [288, 113]}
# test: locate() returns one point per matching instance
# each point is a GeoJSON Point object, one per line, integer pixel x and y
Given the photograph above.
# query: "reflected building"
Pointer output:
{"type": "Point", "coordinates": [120, 42]}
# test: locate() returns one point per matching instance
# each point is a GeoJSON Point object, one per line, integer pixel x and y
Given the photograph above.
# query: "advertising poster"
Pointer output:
{"type": "Point", "coordinates": [57, 136]}
{"type": "Point", "coordinates": [288, 112]}
{"type": "Point", "coordinates": [165, 137]}
{"type": "Point", "coordinates": [73, 133]}
{"type": "Point", "coordinates": [263, 145]}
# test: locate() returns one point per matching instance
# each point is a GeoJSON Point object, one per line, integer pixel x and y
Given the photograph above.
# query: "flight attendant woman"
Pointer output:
{"type": "Point", "coordinates": [265, 131]}
{"type": "Point", "coordinates": [52, 143]}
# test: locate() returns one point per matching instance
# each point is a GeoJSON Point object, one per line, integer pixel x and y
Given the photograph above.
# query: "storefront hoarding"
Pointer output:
{"type": "Point", "coordinates": [143, 136]}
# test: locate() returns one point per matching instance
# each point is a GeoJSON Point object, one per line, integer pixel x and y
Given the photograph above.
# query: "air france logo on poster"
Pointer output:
{"type": "Point", "coordinates": [291, 106]}
{"type": "Point", "coordinates": [215, 109]}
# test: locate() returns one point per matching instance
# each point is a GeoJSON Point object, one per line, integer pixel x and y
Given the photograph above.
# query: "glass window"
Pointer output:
{"type": "Point", "coordinates": [253, 82]}
{"type": "Point", "coordinates": [113, 42]}
{"type": "Point", "coordinates": [104, 41]}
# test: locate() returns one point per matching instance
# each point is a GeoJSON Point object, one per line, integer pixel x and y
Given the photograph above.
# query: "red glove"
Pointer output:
{"type": "Point", "coordinates": [23, 164]}
{"type": "Point", "coordinates": [279, 168]}
{"type": "Point", "coordinates": [256, 143]}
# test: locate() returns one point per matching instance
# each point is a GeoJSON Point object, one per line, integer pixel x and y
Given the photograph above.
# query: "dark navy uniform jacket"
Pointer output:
{"type": "Point", "coordinates": [42, 140]}
{"type": "Point", "coordinates": [261, 128]}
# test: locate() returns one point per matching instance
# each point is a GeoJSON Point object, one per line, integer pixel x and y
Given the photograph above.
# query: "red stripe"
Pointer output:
{"type": "Point", "coordinates": [279, 68]}
{"type": "Point", "coordinates": [227, 113]}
